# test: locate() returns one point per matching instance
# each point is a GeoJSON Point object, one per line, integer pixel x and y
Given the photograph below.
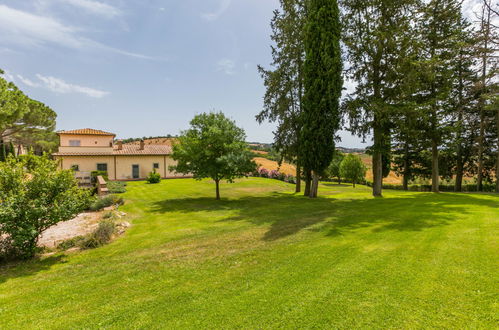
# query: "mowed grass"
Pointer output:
{"type": "Point", "coordinates": [264, 257]}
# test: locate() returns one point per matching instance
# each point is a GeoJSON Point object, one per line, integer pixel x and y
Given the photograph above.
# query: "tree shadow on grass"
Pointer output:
{"type": "Point", "coordinates": [288, 214]}
{"type": "Point", "coordinates": [16, 269]}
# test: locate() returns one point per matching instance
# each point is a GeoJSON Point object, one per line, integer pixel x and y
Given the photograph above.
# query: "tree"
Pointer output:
{"type": "Point", "coordinates": [378, 37]}
{"type": "Point", "coordinates": [334, 168]}
{"type": "Point", "coordinates": [23, 120]}
{"type": "Point", "coordinates": [441, 28]}
{"type": "Point", "coordinates": [487, 43]}
{"type": "Point", "coordinates": [352, 168]}
{"type": "Point", "coordinates": [214, 147]}
{"type": "Point", "coordinates": [323, 83]}
{"type": "Point", "coordinates": [284, 82]}
{"type": "Point", "coordinates": [35, 195]}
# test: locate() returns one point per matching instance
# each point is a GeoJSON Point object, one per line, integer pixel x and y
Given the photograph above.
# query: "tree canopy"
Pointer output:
{"type": "Point", "coordinates": [214, 147]}
{"type": "Point", "coordinates": [352, 169]}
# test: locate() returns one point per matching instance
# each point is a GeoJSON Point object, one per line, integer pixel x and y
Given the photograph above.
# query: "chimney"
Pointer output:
{"type": "Point", "coordinates": [120, 145]}
{"type": "Point", "coordinates": [141, 144]}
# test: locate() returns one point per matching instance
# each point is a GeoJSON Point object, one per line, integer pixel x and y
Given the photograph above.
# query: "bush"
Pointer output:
{"type": "Point", "coordinates": [70, 243]}
{"type": "Point", "coordinates": [102, 235]}
{"type": "Point", "coordinates": [95, 174]}
{"type": "Point", "coordinates": [264, 173]}
{"type": "Point", "coordinates": [154, 177]}
{"type": "Point", "coordinates": [116, 187]}
{"type": "Point", "coordinates": [35, 194]}
{"type": "Point", "coordinates": [102, 202]}
{"type": "Point", "coordinates": [108, 215]}
{"type": "Point", "coordinates": [290, 179]}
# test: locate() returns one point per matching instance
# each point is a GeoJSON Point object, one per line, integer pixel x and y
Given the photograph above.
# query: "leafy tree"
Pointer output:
{"type": "Point", "coordinates": [35, 195]}
{"type": "Point", "coordinates": [214, 147]}
{"type": "Point", "coordinates": [323, 84]}
{"type": "Point", "coordinates": [23, 120]}
{"type": "Point", "coordinates": [284, 82]}
{"type": "Point", "coordinates": [333, 170]}
{"type": "Point", "coordinates": [352, 168]}
{"type": "Point", "coordinates": [379, 42]}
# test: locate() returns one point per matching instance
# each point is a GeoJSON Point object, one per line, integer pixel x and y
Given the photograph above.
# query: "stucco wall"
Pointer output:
{"type": "Point", "coordinates": [123, 165]}
{"type": "Point", "coordinates": [86, 140]}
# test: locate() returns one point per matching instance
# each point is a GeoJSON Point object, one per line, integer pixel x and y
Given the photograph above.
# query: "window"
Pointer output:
{"type": "Point", "coordinates": [102, 167]}
{"type": "Point", "coordinates": [75, 168]}
{"type": "Point", "coordinates": [155, 165]}
{"type": "Point", "coordinates": [74, 143]}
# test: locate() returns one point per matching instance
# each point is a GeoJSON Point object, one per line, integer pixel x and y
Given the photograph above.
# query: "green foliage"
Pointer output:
{"type": "Point", "coordinates": [323, 84]}
{"type": "Point", "coordinates": [116, 187]}
{"type": "Point", "coordinates": [101, 202]}
{"type": "Point", "coordinates": [214, 147]}
{"type": "Point", "coordinates": [154, 177]}
{"type": "Point", "coordinates": [24, 120]}
{"type": "Point", "coordinates": [333, 170]}
{"type": "Point", "coordinates": [95, 174]}
{"type": "Point", "coordinates": [352, 168]}
{"type": "Point", "coordinates": [35, 195]}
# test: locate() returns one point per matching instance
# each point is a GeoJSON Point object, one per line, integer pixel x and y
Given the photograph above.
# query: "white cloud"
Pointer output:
{"type": "Point", "coordinates": [58, 85]}
{"type": "Point", "coordinates": [227, 66]}
{"type": "Point", "coordinates": [26, 29]}
{"type": "Point", "coordinates": [95, 7]}
{"type": "Point", "coordinates": [27, 81]}
{"type": "Point", "coordinates": [222, 7]}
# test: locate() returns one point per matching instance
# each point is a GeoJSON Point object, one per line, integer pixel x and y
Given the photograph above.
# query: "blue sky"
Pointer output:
{"type": "Point", "coordinates": [141, 67]}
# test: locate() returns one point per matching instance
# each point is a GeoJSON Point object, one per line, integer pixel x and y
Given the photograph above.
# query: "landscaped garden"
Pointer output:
{"type": "Point", "coordinates": [263, 257]}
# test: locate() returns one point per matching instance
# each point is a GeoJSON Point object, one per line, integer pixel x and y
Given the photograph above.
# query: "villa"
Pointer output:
{"type": "Point", "coordinates": [87, 150]}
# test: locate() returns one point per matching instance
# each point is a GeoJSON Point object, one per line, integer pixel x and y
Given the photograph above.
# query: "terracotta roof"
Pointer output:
{"type": "Point", "coordinates": [86, 131]}
{"type": "Point", "coordinates": [133, 149]}
{"type": "Point", "coordinates": [127, 150]}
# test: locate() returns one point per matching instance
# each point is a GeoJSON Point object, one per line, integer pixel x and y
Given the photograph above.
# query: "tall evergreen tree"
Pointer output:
{"type": "Point", "coordinates": [440, 31]}
{"type": "Point", "coordinates": [284, 82]}
{"type": "Point", "coordinates": [323, 83]}
{"type": "Point", "coordinates": [378, 36]}
{"type": "Point", "coordinates": [487, 54]}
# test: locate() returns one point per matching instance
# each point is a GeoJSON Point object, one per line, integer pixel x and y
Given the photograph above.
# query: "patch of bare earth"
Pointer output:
{"type": "Point", "coordinates": [82, 224]}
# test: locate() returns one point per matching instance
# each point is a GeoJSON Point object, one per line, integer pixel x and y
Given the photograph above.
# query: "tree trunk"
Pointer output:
{"type": "Point", "coordinates": [459, 175]}
{"type": "Point", "coordinates": [298, 179]}
{"type": "Point", "coordinates": [405, 180]}
{"type": "Point", "coordinates": [308, 182]}
{"type": "Point", "coordinates": [377, 163]}
{"type": "Point", "coordinates": [479, 179]}
{"type": "Point", "coordinates": [353, 183]}
{"type": "Point", "coordinates": [315, 185]}
{"type": "Point", "coordinates": [217, 183]}
{"type": "Point", "coordinates": [339, 180]}
{"type": "Point", "coordinates": [434, 166]}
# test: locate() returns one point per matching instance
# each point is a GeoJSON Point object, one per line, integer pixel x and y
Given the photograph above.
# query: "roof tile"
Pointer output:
{"type": "Point", "coordinates": [86, 131]}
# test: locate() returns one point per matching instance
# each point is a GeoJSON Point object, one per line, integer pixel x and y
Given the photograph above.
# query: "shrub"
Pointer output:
{"type": "Point", "coordinates": [70, 243]}
{"type": "Point", "coordinates": [102, 235]}
{"type": "Point", "coordinates": [95, 174]}
{"type": "Point", "coordinates": [290, 179]}
{"type": "Point", "coordinates": [154, 177]}
{"type": "Point", "coordinates": [116, 187]}
{"type": "Point", "coordinates": [264, 173]}
{"type": "Point", "coordinates": [35, 194]}
{"type": "Point", "coordinates": [108, 215]}
{"type": "Point", "coordinates": [274, 174]}
{"type": "Point", "coordinates": [102, 202]}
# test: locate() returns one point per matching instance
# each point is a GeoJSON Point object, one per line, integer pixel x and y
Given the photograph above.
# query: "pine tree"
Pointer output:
{"type": "Point", "coordinates": [378, 38]}
{"type": "Point", "coordinates": [323, 84]}
{"type": "Point", "coordinates": [440, 31]}
{"type": "Point", "coordinates": [284, 82]}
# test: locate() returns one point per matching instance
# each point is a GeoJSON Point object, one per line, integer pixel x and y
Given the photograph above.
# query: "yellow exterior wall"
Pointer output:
{"type": "Point", "coordinates": [124, 164]}
{"type": "Point", "coordinates": [86, 140]}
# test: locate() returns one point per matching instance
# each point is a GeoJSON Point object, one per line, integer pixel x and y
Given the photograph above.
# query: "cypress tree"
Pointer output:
{"type": "Point", "coordinates": [323, 84]}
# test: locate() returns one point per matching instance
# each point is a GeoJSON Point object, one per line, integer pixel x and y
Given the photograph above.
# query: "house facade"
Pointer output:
{"type": "Point", "coordinates": [87, 150]}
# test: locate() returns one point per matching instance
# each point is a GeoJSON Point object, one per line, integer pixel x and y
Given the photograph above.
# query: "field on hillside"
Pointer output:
{"type": "Point", "coordinates": [263, 257]}
{"type": "Point", "coordinates": [291, 169]}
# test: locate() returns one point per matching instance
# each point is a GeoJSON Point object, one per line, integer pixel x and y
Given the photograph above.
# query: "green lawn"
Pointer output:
{"type": "Point", "coordinates": [266, 258]}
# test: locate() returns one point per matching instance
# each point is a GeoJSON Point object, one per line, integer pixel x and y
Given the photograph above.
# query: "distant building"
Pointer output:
{"type": "Point", "coordinates": [87, 150]}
